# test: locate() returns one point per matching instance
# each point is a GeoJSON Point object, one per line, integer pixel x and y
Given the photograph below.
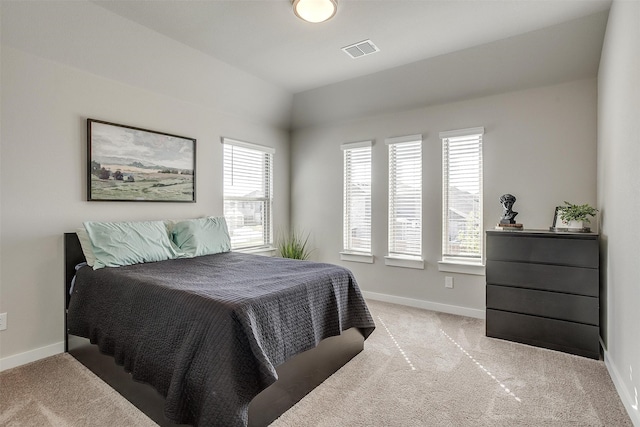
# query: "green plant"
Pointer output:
{"type": "Point", "coordinates": [294, 245]}
{"type": "Point", "coordinates": [572, 212]}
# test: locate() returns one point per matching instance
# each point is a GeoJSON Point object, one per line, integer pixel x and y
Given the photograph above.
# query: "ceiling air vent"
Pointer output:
{"type": "Point", "coordinates": [363, 48]}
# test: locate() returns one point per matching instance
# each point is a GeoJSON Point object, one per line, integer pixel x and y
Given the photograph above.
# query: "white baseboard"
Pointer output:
{"type": "Point", "coordinates": [630, 402]}
{"type": "Point", "coordinates": [31, 356]}
{"type": "Point", "coordinates": [427, 305]}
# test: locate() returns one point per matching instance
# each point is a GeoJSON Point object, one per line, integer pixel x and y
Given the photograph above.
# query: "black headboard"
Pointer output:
{"type": "Point", "coordinates": [73, 256]}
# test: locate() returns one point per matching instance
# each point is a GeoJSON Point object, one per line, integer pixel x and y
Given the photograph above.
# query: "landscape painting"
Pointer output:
{"type": "Point", "coordinates": [132, 164]}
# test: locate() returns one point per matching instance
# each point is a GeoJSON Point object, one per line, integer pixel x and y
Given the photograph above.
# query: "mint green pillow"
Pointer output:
{"type": "Point", "coordinates": [202, 236]}
{"type": "Point", "coordinates": [116, 244]}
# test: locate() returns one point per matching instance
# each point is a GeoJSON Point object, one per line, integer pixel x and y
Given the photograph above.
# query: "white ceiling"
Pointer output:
{"type": "Point", "coordinates": [266, 39]}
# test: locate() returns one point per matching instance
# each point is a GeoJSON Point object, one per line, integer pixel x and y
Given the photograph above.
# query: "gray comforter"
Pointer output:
{"type": "Point", "coordinates": [208, 332]}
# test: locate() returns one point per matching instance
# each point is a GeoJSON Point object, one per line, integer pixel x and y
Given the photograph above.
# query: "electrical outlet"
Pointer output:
{"type": "Point", "coordinates": [3, 321]}
{"type": "Point", "coordinates": [448, 282]}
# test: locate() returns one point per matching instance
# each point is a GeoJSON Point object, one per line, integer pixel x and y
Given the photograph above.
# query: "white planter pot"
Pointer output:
{"type": "Point", "coordinates": [575, 225]}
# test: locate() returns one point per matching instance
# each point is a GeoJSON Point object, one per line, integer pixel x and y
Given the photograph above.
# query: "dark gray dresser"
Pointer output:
{"type": "Point", "coordinates": [543, 289]}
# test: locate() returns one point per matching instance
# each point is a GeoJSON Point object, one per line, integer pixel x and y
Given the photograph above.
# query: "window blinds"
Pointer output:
{"type": "Point", "coordinates": [248, 176]}
{"type": "Point", "coordinates": [462, 194]}
{"type": "Point", "coordinates": [405, 196]}
{"type": "Point", "coordinates": [357, 197]}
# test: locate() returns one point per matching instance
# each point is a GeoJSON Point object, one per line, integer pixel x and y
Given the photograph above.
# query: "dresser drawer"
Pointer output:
{"type": "Point", "coordinates": [570, 337]}
{"type": "Point", "coordinates": [574, 308]}
{"type": "Point", "coordinates": [574, 251]}
{"type": "Point", "coordinates": [571, 280]}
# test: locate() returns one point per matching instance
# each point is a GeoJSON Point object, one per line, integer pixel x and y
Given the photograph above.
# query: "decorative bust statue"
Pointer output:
{"type": "Point", "coordinates": [508, 216]}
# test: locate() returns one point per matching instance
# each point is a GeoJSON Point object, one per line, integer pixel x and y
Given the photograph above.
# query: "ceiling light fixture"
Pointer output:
{"type": "Point", "coordinates": [315, 11]}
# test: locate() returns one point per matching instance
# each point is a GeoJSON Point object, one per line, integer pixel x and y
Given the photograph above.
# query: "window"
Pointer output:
{"type": "Point", "coordinates": [357, 202]}
{"type": "Point", "coordinates": [248, 193]}
{"type": "Point", "coordinates": [405, 202]}
{"type": "Point", "coordinates": [462, 236]}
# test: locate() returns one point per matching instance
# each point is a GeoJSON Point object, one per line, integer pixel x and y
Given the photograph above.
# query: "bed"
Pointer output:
{"type": "Point", "coordinates": [240, 354]}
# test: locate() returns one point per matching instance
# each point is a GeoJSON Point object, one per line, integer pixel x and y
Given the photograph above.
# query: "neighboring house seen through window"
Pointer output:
{"type": "Point", "coordinates": [405, 202]}
{"type": "Point", "coordinates": [248, 193]}
{"type": "Point", "coordinates": [462, 235]}
{"type": "Point", "coordinates": [357, 202]}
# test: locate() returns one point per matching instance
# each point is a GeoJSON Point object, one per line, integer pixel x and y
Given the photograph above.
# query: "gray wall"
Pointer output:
{"type": "Point", "coordinates": [63, 68]}
{"type": "Point", "coordinates": [529, 60]}
{"type": "Point", "coordinates": [619, 198]}
{"type": "Point", "coordinates": [539, 144]}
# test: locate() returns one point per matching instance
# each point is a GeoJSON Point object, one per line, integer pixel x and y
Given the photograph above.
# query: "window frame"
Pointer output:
{"type": "Point", "coordinates": [396, 258]}
{"type": "Point", "coordinates": [451, 262]}
{"type": "Point", "coordinates": [349, 252]}
{"type": "Point", "coordinates": [268, 154]}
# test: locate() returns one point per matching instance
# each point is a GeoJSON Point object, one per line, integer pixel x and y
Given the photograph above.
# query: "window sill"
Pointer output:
{"type": "Point", "coordinates": [356, 257]}
{"type": "Point", "coordinates": [266, 251]}
{"type": "Point", "coordinates": [473, 268]}
{"type": "Point", "coordinates": [404, 262]}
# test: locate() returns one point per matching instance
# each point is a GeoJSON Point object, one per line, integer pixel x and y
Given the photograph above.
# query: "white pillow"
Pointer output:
{"type": "Point", "coordinates": [87, 249]}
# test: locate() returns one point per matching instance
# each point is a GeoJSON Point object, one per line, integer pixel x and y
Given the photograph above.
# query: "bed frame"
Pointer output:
{"type": "Point", "coordinates": [296, 377]}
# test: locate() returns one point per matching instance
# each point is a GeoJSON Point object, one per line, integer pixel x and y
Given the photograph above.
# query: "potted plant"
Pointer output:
{"type": "Point", "coordinates": [575, 216]}
{"type": "Point", "coordinates": [294, 245]}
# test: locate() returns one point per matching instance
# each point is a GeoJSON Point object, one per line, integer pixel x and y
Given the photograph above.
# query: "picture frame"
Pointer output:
{"type": "Point", "coordinates": [556, 218]}
{"type": "Point", "coordinates": [130, 164]}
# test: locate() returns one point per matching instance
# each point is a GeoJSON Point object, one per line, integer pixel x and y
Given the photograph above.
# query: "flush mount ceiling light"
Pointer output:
{"type": "Point", "coordinates": [315, 11]}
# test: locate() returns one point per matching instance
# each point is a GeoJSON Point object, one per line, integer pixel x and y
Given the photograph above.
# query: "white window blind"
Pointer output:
{"type": "Point", "coordinates": [357, 197]}
{"type": "Point", "coordinates": [405, 196]}
{"type": "Point", "coordinates": [248, 193]}
{"type": "Point", "coordinates": [462, 194]}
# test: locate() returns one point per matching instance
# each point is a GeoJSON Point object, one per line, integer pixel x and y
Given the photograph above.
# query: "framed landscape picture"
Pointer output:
{"type": "Point", "coordinates": [139, 165]}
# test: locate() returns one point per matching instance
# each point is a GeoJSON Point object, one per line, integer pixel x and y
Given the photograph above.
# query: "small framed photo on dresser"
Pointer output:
{"type": "Point", "coordinates": [556, 219]}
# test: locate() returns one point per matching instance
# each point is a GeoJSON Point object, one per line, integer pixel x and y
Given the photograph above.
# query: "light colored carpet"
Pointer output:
{"type": "Point", "coordinates": [422, 368]}
{"type": "Point", "coordinates": [419, 368]}
{"type": "Point", "coordinates": [59, 391]}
